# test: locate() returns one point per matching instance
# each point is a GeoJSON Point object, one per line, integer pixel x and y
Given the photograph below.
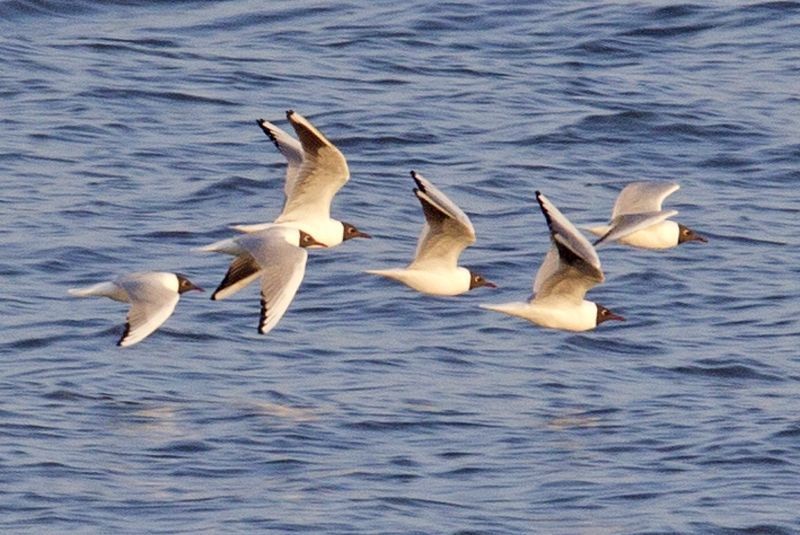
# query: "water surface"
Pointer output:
{"type": "Point", "coordinates": [130, 138]}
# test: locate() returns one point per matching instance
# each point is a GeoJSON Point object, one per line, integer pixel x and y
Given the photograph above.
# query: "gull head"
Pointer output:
{"type": "Point", "coordinates": [604, 314]}
{"type": "Point", "coordinates": [476, 281]}
{"type": "Point", "coordinates": [351, 232]}
{"type": "Point", "coordinates": [185, 285]}
{"type": "Point", "coordinates": [307, 240]}
{"type": "Point", "coordinates": [685, 234]}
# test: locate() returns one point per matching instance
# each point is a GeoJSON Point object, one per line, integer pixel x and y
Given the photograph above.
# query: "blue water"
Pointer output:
{"type": "Point", "coordinates": [129, 138]}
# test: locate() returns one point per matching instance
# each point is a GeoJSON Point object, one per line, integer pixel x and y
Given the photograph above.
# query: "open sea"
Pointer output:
{"type": "Point", "coordinates": [129, 138]}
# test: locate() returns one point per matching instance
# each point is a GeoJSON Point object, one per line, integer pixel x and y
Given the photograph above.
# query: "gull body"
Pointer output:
{"type": "Point", "coordinates": [570, 268]}
{"type": "Point", "coordinates": [152, 295]}
{"type": "Point", "coordinates": [446, 233]}
{"type": "Point", "coordinates": [442, 282]}
{"type": "Point", "coordinates": [277, 255]}
{"type": "Point", "coordinates": [577, 317]}
{"type": "Point", "coordinates": [638, 220]}
{"type": "Point", "coordinates": [316, 170]}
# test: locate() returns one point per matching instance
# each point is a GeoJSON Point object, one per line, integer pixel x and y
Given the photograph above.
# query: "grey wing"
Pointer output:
{"type": "Point", "coordinates": [291, 149]}
{"type": "Point", "coordinates": [571, 266]}
{"type": "Point", "coordinates": [151, 305]}
{"type": "Point", "coordinates": [549, 267]}
{"type": "Point", "coordinates": [573, 247]}
{"type": "Point", "coordinates": [645, 196]}
{"type": "Point", "coordinates": [447, 231]}
{"type": "Point", "coordinates": [242, 271]}
{"type": "Point", "coordinates": [566, 282]}
{"type": "Point", "coordinates": [283, 266]}
{"type": "Point", "coordinates": [322, 174]}
{"type": "Point", "coordinates": [627, 224]}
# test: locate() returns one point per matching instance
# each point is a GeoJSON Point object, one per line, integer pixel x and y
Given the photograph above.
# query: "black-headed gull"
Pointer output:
{"type": "Point", "coordinates": [638, 220]}
{"type": "Point", "coordinates": [447, 232]}
{"type": "Point", "coordinates": [277, 255]}
{"type": "Point", "coordinates": [570, 268]}
{"type": "Point", "coordinates": [316, 170]}
{"type": "Point", "coordinates": [152, 295]}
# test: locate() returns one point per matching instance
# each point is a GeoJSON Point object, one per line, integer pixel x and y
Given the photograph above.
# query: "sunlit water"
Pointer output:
{"type": "Point", "coordinates": [129, 138]}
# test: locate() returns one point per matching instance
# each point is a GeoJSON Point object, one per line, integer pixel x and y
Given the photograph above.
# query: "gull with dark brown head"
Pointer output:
{"type": "Point", "coordinates": [570, 269]}
{"type": "Point", "coordinates": [447, 232]}
{"type": "Point", "coordinates": [152, 295]}
{"type": "Point", "coordinates": [638, 220]}
{"type": "Point", "coordinates": [278, 256]}
{"type": "Point", "coordinates": [316, 170]}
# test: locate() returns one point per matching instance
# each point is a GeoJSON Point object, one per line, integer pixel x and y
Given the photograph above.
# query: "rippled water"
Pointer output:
{"type": "Point", "coordinates": [130, 137]}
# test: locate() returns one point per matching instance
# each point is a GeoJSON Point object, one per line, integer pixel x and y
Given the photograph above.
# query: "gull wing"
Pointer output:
{"type": "Point", "coordinates": [447, 231]}
{"type": "Point", "coordinates": [283, 267]}
{"type": "Point", "coordinates": [646, 196]}
{"type": "Point", "coordinates": [243, 270]}
{"type": "Point", "coordinates": [321, 175]}
{"type": "Point", "coordinates": [151, 304]}
{"type": "Point", "coordinates": [549, 267]}
{"type": "Point", "coordinates": [291, 149]}
{"type": "Point", "coordinates": [627, 224]}
{"type": "Point", "coordinates": [571, 266]}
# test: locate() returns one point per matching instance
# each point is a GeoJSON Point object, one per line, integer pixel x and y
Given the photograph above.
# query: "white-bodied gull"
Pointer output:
{"type": "Point", "coordinates": [638, 220]}
{"type": "Point", "coordinates": [447, 232]}
{"type": "Point", "coordinates": [276, 254]}
{"type": "Point", "coordinates": [152, 295]}
{"type": "Point", "coordinates": [316, 170]}
{"type": "Point", "coordinates": [570, 268]}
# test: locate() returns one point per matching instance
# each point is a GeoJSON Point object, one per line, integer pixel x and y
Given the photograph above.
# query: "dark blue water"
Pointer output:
{"type": "Point", "coordinates": [129, 137]}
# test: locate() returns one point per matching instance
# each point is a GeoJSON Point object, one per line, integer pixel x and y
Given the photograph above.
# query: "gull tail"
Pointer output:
{"type": "Point", "coordinates": [395, 274]}
{"type": "Point", "coordinates": [100, 289]}
{"type": "Point", "coordinates": [512, 309]}
{"type": "Point", "coordinates": [246, 229]}
{"type": "Point", "coordinates": [227, 246]}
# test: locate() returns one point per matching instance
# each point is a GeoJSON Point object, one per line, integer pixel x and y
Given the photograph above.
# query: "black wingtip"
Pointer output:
{"type": "Point", "coordinates": [222, 285]}
{"type": "Point", "coordinates": [268, 131]}
{"type": "Point", "coordinates": [289, 114]}
{"type": "Point", "coordinates": [124, 334]}
{"type": "Point", "coordinates": [544, 210]}
{"type": "Point", "coordinates": [419, 183]}
{"type": "Point", "coordinates": [263, 316]}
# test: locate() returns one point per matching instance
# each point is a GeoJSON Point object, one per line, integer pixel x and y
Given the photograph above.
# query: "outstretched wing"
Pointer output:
{"type": "Point", "coordinates": [447, 231]}
{"type": "Point", "coordinates": [640, 197]}
{"type": "Point", "coordinates": [283, 267]}
{"type": "Point", "coordinates": [321, 175]}
{"type": "Point", "coordinates": [242, 271]}
{"type": "Point", "coordinates": [571, 266]}
{"type": "Point", "coordinates": [627, 224]}
{"type": "Point", "coordinates": [291, 149]}
{"type": "Point", "coordinates": [151, 305]}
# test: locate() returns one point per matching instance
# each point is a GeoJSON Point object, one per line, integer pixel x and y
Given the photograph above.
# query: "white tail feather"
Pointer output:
{"type": "Point", "coordinates": [227, 246]}
{"type": "Point", "coordinates": [247, 229]}
{"type": "Point", "coordinates": [101, 289]}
